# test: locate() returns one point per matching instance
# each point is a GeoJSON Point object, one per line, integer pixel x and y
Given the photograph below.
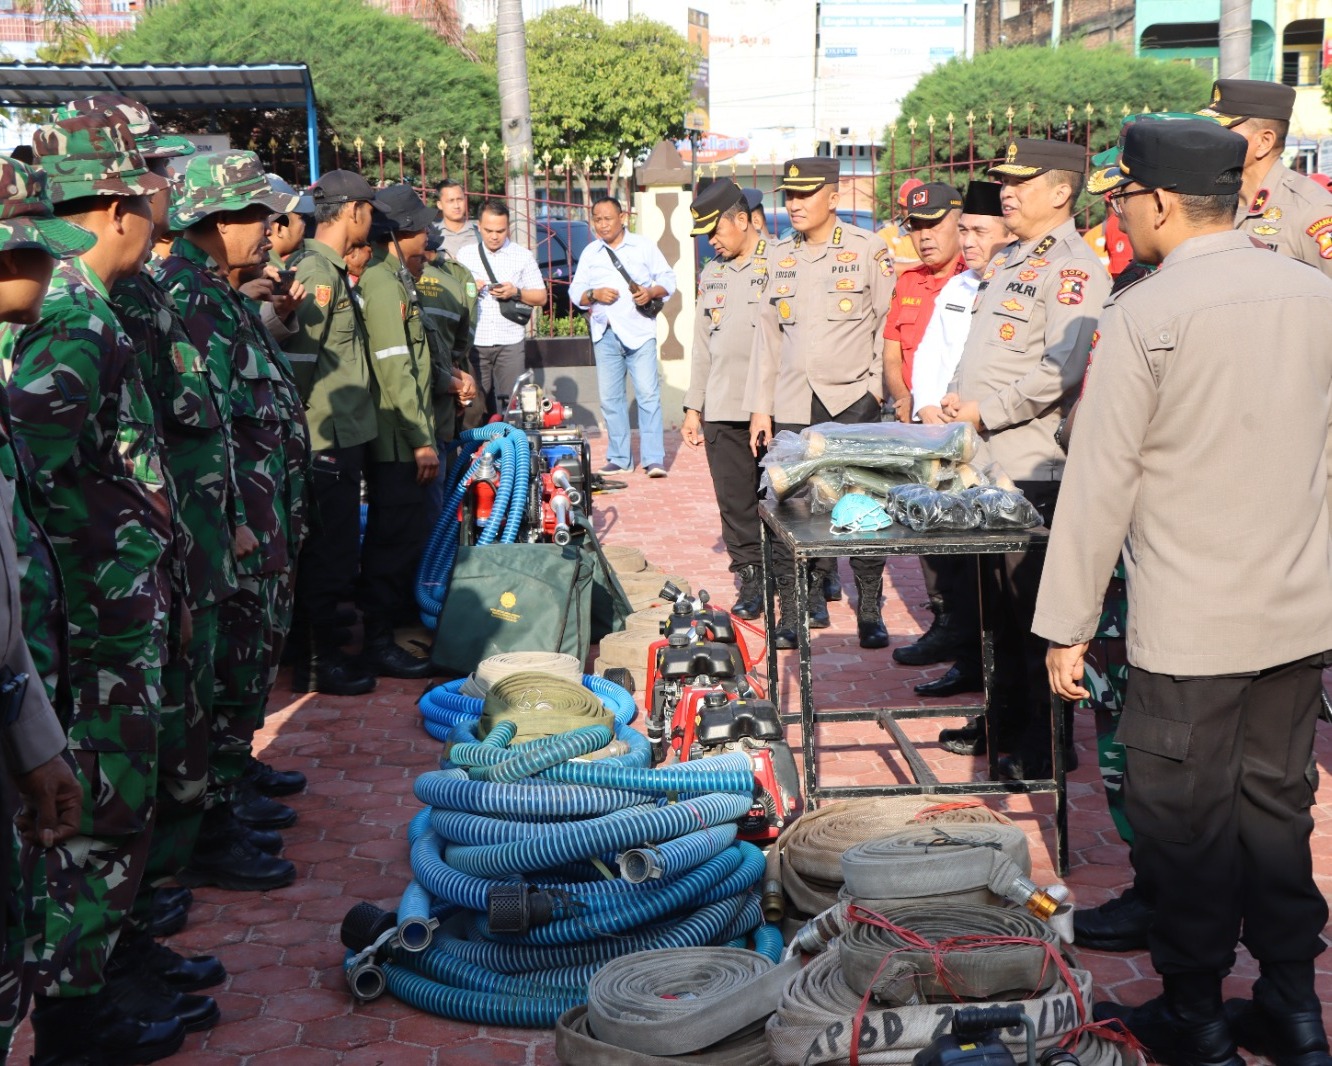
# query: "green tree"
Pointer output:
{"type": "Point", "coordinates": [375, 75]}
{"type": "Point", "coordinates": [1040, 84]}
{"type": "Point", "coordinates": [601, 92]}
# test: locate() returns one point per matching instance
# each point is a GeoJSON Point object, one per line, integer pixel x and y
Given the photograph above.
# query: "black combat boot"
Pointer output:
{"type": "Point", "coordinates": [321, 666]}
{"type": "Point", "coordinates": [271, 782]}
{"type": "Point", "coordinates": [869, 613]}
{"type": "Point", "coordinates": [818, 605]}
{"type": "Point", "coordinates": [384, 657]}
{"type": "Point", "coordinates": [749, 604]}
{"type": "Point", "coordinates": [257, 811]}
{"type": "Point", "coordinates": [225, 856]}
{"type": "Point", "coordinates": [141, 993]}
{"type": "Point", "coordinates": [938, 644]}
{"type": "Point", "coordinates": [1284, 1020]}
{"type": "Point", "coordinates": [181, 973]}
{"type": "Point", "coordinates": [1186, 1026]}
{"type": "Point", "coordinates": [832, 586]}
{"type": "Point", "coordinates": [1119, 924]}
{"type": "Point", "coordinates": [93, 1029]}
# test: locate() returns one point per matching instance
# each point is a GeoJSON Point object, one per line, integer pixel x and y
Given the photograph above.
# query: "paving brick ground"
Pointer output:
{"type": "Point", "coordinates": [286, 1002]}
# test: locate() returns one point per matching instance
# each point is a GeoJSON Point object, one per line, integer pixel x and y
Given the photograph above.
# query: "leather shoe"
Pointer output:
{"type": "Point", "coordinates": [832, 586]}
{"type": "Point", "coordinates": [1118, 924]}
{"type": "Point", "coordinates": [957, 680]}
{"type": "Point", "coordinates": [257, 811]}
{"type": "Point", "coordinates": [66, 1030]}
{"type": "Point", "coordinates": [967, 740]}
{"type": "Point", "coordinates": [1288, 1038]}
{"type": "Point", "coordinates": [1170, 1038]}
{"type": "Point", "coordinates": [273, 782]}
{"type": "Point", "coordinates": [384, 658]}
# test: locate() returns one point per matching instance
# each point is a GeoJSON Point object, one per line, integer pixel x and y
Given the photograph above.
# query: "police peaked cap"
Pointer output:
{"type": "Point", "coordinates": [713, 202]}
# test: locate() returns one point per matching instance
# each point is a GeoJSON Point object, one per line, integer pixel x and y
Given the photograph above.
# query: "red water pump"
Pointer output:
{"type": "Point", "coordinates": [701, 679]}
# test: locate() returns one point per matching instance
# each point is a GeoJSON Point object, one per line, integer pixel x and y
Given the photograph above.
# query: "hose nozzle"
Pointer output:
{"type": "Point", "coordinates": [774, 902]}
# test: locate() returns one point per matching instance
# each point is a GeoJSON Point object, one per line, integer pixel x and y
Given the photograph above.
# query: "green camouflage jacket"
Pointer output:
{"type": "Point", "coordinates": [196, 444]}
{"type": "Point", "coordinates": [84, 424]}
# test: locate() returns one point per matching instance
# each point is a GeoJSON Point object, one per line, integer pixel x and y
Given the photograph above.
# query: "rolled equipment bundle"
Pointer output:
{"type": "Point", "coordinates": [708, 1004]}
{"type": "Point", "coordinates": [815, 1024]}
{"type": "Point", "coordinates": [956, 442]}
{"type": "Point", "coordinates": [937, 953]}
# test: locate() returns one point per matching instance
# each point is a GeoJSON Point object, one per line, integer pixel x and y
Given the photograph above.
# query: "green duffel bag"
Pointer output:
{"type": "Point", "coordinates": [515, 597]}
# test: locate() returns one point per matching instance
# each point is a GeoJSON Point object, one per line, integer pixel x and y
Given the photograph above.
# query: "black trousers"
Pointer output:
{"type": "Point", "coordinates": [1009, 584]}
{"type": "Point", "coordinates": [395, 533]}
{"type": "Point", "coordinates": [735, 478]}
{"type": "Point", "coordinates": [1218, 785]}
{"type": "Point", "coordinates": [866, 409]}
{"type": "Point", "coordinates": [330, 557]}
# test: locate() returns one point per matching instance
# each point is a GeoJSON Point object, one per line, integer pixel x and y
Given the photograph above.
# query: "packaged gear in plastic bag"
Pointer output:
{"type": "Point", "coordinates": [926, 510]}
{"type": "Point", "coordinates": [1001, 509]}
{"type": "Point", "coordinates": [956, 442]}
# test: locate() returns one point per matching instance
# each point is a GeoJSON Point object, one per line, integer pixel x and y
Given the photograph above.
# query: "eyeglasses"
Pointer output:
{"type": "Point", "coordinates": [1115, 198]}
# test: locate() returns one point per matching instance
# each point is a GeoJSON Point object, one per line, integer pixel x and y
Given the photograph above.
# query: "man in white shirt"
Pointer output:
{"type": "Point", "coordinates": [499, 348]}
{"type": "Point", "coordinates": [950, 581]}
{"type": "Point", "coordinates": [624, 332]}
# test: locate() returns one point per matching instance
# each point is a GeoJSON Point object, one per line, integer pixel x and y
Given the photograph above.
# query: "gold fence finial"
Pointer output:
{"type": "Point", "coordinates": [464, 145]}
{"type": "Point", "coordinates": [379, 142]}
{"type": "Point", "coordinates": [359, 143]}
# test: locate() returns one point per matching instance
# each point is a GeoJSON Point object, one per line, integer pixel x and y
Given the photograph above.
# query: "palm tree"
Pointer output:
{"type": "Point", "coordinates": [516, 113]}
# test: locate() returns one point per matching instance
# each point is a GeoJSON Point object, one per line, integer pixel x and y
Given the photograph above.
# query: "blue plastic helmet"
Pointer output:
{"type": "Point", "coordinates": [857, 513]}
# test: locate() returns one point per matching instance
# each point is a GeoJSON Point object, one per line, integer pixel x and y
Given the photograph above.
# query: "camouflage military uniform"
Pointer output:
{"type": "Point", "coordinates": [197, 455]}
{"type": "Point", "coordinates": [82, 415]}
{"type": "Point", "coordinates": [268, 432]}
{"type": "Point", "coordinates": [26, 221]}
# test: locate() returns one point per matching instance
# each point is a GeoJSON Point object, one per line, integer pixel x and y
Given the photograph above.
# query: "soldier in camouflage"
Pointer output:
{"type": "Point", "coordinates": [222, 211]}
{"type": "Point", "coordinates": [32, 734]}
{"type": "Point", "coordinates": [82, 415]}
{"type": "Point", "coordinates": [197, 457]}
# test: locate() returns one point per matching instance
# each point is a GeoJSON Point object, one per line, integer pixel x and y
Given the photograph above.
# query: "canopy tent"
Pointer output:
{"type": "Point", "coordinates": [268, 87]}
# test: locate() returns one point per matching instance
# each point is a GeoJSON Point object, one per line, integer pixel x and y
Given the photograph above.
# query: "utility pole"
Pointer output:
{"type": "Point", "coordinates": [1056, 22]}
{"type": "Point", "coordinates": [1236, 34]}
{"type": "Point", "coordinates": [516, 115]}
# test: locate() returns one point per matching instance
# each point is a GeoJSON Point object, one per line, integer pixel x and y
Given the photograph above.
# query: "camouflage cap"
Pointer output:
{"type": "Point", "coordinates": [26, 218]}
{"type": "Point", "coordinates": [225, 181]}
{"type": "Point", "coordinates": [151, 142]}
{"type": "Point", "coordinates": [92, 155]}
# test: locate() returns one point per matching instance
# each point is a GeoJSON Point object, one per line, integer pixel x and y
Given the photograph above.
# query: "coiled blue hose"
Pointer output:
{"type": "Point", "coordinates": [559, 824]}
{"type": "Point", "coordinates": [508, 446]}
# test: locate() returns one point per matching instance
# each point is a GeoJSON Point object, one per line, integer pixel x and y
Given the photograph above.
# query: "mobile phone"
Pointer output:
{"type": "Point", "coordinates": [283, 284]}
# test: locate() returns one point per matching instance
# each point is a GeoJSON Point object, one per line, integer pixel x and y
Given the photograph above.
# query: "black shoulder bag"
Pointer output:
{"type": "Point", "coordinates": [653, 307]}
{"type": "Point", "coordinates": [513, 308]}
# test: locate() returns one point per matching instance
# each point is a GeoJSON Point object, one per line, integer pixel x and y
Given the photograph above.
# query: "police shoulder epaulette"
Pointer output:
{"type": "Point", "coordinates": [760, 248]}
{"type": "Point", "coordinates": [1044, 246]}
{"type": "Point", "coordinates": [837, 236]}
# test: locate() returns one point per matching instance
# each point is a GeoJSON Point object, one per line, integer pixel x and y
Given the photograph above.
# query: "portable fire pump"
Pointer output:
{"type": "Point", "coordinates": [559, 471]}
{"type": "Point", "coordinates": [703, 700]}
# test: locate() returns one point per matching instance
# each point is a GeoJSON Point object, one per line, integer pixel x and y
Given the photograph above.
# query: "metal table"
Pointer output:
{"type": "Point", "coordinates": [808, 537]}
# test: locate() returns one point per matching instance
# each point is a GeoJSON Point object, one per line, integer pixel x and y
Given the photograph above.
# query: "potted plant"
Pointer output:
{"type": "Point", "coordinates": [559, 340]}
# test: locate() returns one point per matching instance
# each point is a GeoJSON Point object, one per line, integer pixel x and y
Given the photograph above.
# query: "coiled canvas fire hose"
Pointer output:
{"type": "Point", "coordinates": [816, 1022]}
{"type": "Point", "coordinates": [498, 667]}
{"type": "Point", "coordinates": [941, 864]}
{"type": "Point", "coordinates": [645, 1008]}
{"type": "Point", "coordinates": [805, 864]}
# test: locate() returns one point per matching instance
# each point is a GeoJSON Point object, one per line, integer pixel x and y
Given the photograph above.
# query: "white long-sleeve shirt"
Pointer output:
{"type": "Point", "coordinates": [596, 270]}
{"type": "Point", "coordinates": [941, 347]}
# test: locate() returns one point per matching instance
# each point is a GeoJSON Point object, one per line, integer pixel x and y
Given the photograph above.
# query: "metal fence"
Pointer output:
{"type": "Point", "coordinates": [951, 148]}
